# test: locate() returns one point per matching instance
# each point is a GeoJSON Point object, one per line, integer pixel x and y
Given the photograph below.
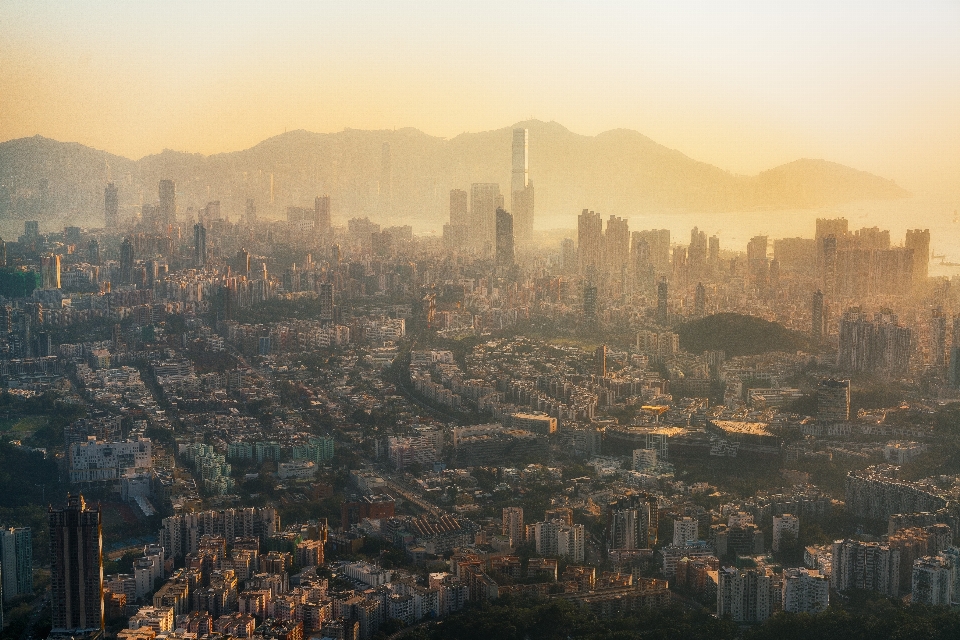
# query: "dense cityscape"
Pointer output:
{"type": "Point", "coordinates": [287, 422]}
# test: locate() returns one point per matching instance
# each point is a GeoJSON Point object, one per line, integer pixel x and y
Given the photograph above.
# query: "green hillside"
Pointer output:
{"type": "Point", "coordinates": [738, 335]}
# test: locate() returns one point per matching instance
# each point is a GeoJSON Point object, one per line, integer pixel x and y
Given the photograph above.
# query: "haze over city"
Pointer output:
{"type": "Point", "coordinates": [743, 86]}
{"type": "Point", "coordinates": [479, 320]}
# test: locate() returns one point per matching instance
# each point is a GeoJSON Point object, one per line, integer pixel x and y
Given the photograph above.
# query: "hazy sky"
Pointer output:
{"type": "Point", "coordinates": [745, 86]}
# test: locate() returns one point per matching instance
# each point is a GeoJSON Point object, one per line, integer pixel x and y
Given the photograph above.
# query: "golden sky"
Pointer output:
{"type": "Point", "coordinates": [742, 85]}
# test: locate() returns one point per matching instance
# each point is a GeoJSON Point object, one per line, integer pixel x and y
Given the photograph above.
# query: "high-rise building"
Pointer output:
{"type": "Point", "coordinates": [817, 317]}
{"type": "Point", "coordinates": [697, 252]}
{"type": "Point", "coordinates": [932, 581]}
{"type": "Point", "coordinates": [833, 400]}
{"type": "Point", "coordinates": [685, 531]}
{"type": "Point", "coordinates": [746, 595]}
{"type": "Point", "coordinates": [250, 215]}
{"type": "Point", "coordinates": [485, 199]}
{"type": "Point", "coordinates": [76, 566]}
{"type": "Point", "coordinates": [784, 526]}
{"type": "Point", "coordinates": [658, 241]}
{"type": "Point", "coordinates": [870, 566]}
{"type": "Point", "coordinates": [616, 245]}
{"type": "Point", "coordinates": [662, 300]}
{"type": "Point", "coordinates": [199, 245]}
{"type": "Point", "coordinates": [600, 361]}
{"type": "Point", "coordinates": [700, 301]}
{"type": "Point", "coordinates": [882, 345]}
{"type": "Point", "coordinates": [504, 245]}
{"type": "Point", "coordinates": [50, 271]}
{"type": "Point", "coordinates": [938, 340]}
{"type": "Point", "coordinates": [805, 591]}
{"type": "Point", "coordinates": [16, 558]}
{"type": "Point", "coordinates": [713, 252]}
{"type": "Point", "coordinates": [111, 207]}
{"type": "Point", "coordinates": [513, 525]}
{"type": "Point", "coordinates": [632, 522]}
{"type": "Point", "coordinates": [126, 261]}
{"type": "Point", "coordinates": [590, 241]}
{"type": "Point", "coordinates": [953, 375]}
{"type": "Point", "coordinates": [521, 188]}
{"type": "Point", "coordinates": [93, 252]}
{"type": "Point", "coordinates": [590, 301]}
{"type": "Point", "coordinates": [459, 212]}
{"type": "Point", "coordinates": [919, 241]}
{"type": "Point", "coordinates": [168, 202]}
{"type": "Point", "coordinates": [326, 302]}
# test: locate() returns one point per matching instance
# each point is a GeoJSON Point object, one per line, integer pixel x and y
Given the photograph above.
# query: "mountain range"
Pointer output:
{"type": "Point", "coordinates": [618, 172]}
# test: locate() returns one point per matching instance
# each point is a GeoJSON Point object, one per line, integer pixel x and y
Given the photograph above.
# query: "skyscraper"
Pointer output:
{"type": "Point", "coordinates": [662, 300]}
{"type": "Point", "coordinates": [919, 241]}
{"type": "Point", "coordinates": [600, 360]}
{"type": "Point", "coordinates": [50, 271]}
{"type": "Point", "coordinates": [16, 558]}
{"type": "Point", "coordinates": [168, 202]}
{"type": "Point", "coordinates": [326, 302]}
{"type": "Point", "coordinates": [321, 213]}
{"type": "Point", "coordinates": [126, 262]}
{"type": "Point", "coordinates": [199, 245]}
{"type": "Point", "coordinates": [485, 199]}
{"type": "Point", "coordinates": [590, 301]}
{"type": "Point", "coordinates": [93, 252]}
{"type": "Point", "coordinates": [513, 525]}
{"type": "Point", "coordinates": [700, 301]}
{"type": "Point", "coordinates": [833, 400]}
{"type": "Point", "coordinates": [459, 213]}
{"type": "Point", "coordinates": [521, 189]}
{"type": "Point", "coordinates": [697, 252]}
{"type": "Point", "coordinates": [504, 256]}
{"type": "Point", "coordinates": [250, 216]}
{"type": "Point", "coordinates": [938, 340]}
{"type": "Point", "coordinates": [953, 376]}
{"type": "Point", "coordinates": [111, 207]}
{"type": "Point", "coordinates": [590, 241]}
{"type": "Point", "coordinates": [76, 566]}
{"type": "Point", "coordinates": [616, 244]}
{"type": "Point", "coordinates": [817, 319]}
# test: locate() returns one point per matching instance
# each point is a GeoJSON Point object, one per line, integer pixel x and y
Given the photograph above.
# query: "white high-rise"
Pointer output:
{"type": "Point", "coordinates": [520, 175]}
{"type": "Point", "coordinates": [521, 188]}
{"type": "Point", "coordinates": [785, 524]}
{"type": "Point", "coordinates": [805, 591]}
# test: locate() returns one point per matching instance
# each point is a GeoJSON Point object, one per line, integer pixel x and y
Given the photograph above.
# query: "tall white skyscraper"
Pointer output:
{"type": "Point", "coordinates": [521, 188]}
{"type": "Point", "coordinates": [520, 175]}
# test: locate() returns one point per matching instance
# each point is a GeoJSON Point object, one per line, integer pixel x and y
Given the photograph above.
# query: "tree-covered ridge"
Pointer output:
{"type": "Point", "coordinates": [738, 335]}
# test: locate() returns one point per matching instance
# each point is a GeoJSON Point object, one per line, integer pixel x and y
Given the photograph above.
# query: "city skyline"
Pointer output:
{"type": "Point", "coordinates": [744, 88]}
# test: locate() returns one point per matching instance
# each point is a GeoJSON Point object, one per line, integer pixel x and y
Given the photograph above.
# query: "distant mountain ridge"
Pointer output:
{"type": "Point", "coordinates": [619, 172]}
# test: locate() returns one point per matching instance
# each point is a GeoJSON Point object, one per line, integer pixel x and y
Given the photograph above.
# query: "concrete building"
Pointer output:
{"type": "Point", "coordinates": [865, 565]}
{"type": "Point", "coordinates": [685, 531]}
{"type": "Point", "coordinates": [513, 525]}
{"type": "Point", "coordinates": [932, 581]}
{"type": "Point", "coordinates": [746, 595]}
{"type": "Point", "coordinates": [94, 461]}
{"type": "Point", "coordinates": [805, 591]}
{"type": "Point", "coordinates": [833, 400]}
{"type": "Point", "coordinates": [785, 524]}
{"type": "Point", "coordinates": [76, 566]}
{"type": "Point", "coordinates": [16, 561]}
